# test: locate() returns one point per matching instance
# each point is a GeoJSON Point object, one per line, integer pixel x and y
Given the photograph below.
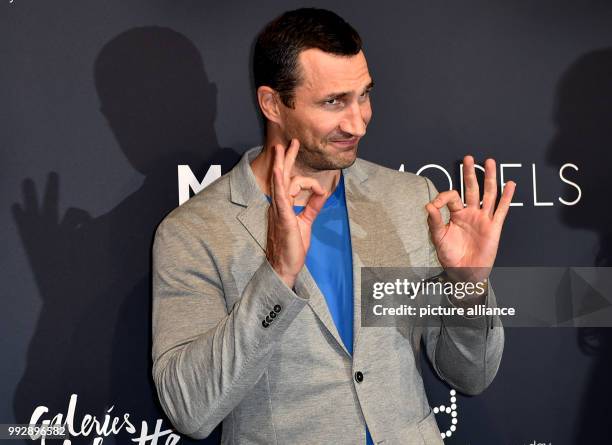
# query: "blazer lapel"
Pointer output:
{"type": "Point", "coordinates": [358, 210]}
{"type": "Point", "coordinates": [375, 241]}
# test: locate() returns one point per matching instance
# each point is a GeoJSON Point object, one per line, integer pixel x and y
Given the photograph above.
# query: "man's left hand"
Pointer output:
{"type": "Point", "coordinates": [470, 239]}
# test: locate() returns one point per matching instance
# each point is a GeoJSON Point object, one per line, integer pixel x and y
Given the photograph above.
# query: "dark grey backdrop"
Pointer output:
{"type": "Point", "coordinates": [102, 100]}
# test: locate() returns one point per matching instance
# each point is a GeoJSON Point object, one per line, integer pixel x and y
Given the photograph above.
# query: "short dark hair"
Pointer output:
{"type": "Point", "coordinates": [275, 56]}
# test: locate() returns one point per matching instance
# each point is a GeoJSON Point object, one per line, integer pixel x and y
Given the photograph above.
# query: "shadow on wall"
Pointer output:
{"type": "Point", "coordinates": [93, 336]}
{"type": "Point", "coordinates": [583, 118]}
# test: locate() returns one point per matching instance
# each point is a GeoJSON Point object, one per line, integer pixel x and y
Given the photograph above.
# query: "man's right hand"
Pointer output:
{"type": "Point", "coordinates": [289, 234]}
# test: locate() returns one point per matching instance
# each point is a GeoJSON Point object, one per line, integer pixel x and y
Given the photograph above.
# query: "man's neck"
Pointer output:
{"type": "Point", "coordinates": [262, 169]}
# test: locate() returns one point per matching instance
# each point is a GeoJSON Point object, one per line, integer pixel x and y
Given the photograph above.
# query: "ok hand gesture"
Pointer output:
{"type": "Point", "coordinates": [289, 234]}
{"type": "Point", "coordinates": [471, 237]}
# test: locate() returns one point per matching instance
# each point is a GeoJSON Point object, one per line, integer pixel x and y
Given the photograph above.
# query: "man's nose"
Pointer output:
{"type": "Point", "coordinates": [353, 121]}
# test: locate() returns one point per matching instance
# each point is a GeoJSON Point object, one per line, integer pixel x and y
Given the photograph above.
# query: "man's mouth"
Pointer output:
{"type": "Point", "coordinates": [345, 142]}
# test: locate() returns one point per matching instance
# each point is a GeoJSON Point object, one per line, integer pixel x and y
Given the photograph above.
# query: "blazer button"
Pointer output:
{"type": "Point", "coordinates": [265, 324]}
{"type": "Point", "coordinates": [268, 319]}
{"type": "Point", "coordinates": [359, 377]}
{"type": "Point", "coordinates": [272, 314]}
{"type": "Point", "coordinates": [277, 308]}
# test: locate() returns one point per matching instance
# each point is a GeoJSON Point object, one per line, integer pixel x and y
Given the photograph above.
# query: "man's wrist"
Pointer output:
{"type": "Point", "coordinates": [467, 293]}
{"type": "Point", "coordinates": [289, 280]}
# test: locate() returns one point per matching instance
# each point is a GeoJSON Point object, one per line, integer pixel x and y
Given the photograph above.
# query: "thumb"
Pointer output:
{"type": "Point", "coordinates": [435, 222]}
{"type": "Point", "coordinates": [314, 205]}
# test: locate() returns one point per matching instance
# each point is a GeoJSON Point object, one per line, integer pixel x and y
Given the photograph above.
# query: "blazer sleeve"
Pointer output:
{"type": "Point", "coordinates": [465, 352]}
{"type": "Point", "coordinates": [206, 356]}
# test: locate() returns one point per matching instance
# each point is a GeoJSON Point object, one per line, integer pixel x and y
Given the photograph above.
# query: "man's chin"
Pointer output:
{"type": "Point", "coordinates": [336, 162]}
{"type": "Point", "coordinates": [347, 158]}
{"type": "Point", "coordinates": [330, 157]}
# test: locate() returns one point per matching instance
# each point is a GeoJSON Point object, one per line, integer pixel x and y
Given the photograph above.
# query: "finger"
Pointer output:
{"type": "Point", "coordinates": [314, 205]}
{"type": "Point", "coordinates": [51, 200]}
{"type": "Point", "coordinates": [435, 221]}
{"type": "Point", "coordinates": [472, 195]}
{"type": "Point", "coordinates": [290, 156]}
{"type": "Point", "coordinates": [277, 164]}
{"type": "Point", "coordinates": [490, 187]}
{"type": "Point", "coordinates": [299, 183]}
{"type": "Point", "coordinates": [450, 198]}
{"type": "Point", "coordinates": [279, 158]}
{"type": "Point", "coordinates": [504, 203]}
{"type": "Point", "coordinates": [30, 197]}
{"type": "Point", "coordinates": [282, 205]}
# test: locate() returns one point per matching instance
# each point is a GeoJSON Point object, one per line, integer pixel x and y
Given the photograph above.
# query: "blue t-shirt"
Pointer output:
{"type": "Point", "coordinates": [330, 262]}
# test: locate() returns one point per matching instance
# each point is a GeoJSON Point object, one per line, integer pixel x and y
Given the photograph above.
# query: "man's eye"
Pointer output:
{"type": "Point", "coordinates": [332, 102]}
{"type": "Point", "coordinates": [365, 93]}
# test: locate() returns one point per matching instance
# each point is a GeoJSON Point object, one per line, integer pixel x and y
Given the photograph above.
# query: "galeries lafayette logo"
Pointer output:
{"type": "Point", "coordinates": [98, 429]}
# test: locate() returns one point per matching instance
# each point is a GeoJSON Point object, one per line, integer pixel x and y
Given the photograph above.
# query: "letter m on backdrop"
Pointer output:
{"type": "Point", "coordinates": [188, 182]}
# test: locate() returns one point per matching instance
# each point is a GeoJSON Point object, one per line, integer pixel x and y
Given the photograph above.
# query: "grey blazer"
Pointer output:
{"type": "Point", "coordinates": [291, 380]}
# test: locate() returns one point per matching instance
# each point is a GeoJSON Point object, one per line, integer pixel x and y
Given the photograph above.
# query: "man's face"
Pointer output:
{"type": "Point", "coordinates": [331, 109]}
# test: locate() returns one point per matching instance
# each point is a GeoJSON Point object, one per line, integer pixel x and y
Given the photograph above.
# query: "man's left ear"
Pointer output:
{"type": "Point", "coordinates": [269, 102]}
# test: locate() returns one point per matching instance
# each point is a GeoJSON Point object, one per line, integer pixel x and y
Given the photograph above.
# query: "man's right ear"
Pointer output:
{"type": "Point", "coordinates": [269, 102]}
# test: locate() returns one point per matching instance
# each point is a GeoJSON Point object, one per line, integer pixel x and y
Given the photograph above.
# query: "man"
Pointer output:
{"type": "Point", "coordinates": [256, 288]}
